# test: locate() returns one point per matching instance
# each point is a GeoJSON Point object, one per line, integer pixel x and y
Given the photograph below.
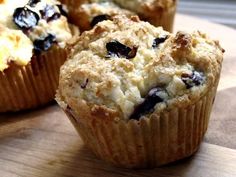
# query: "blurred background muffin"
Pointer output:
{"type": "Point", "coordinates": [33, 37]}
{"type": "Point", "coordinates": [157, 12]}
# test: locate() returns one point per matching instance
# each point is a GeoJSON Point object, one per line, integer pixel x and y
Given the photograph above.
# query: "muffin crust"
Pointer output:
{"type": "Point", "coordinates": [95, 80]}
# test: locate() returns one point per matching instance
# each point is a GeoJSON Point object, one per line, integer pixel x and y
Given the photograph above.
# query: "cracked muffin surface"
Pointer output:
{"type": "Point", "coordinates": [128, 69]}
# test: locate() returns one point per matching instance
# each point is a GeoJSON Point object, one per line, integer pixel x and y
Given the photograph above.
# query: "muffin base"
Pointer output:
{"type": "Point", "coordinates": [74, 14]}
{"type": "Point", "coordinates": [25, 87]}
{"type": "Point", "coordinates": [149, 142]}
{"type": "Point", "coordinates": [161, 17]}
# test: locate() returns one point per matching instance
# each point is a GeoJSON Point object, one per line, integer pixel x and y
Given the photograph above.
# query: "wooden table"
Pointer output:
{"type": "Point", "coordinates": [43, 143]}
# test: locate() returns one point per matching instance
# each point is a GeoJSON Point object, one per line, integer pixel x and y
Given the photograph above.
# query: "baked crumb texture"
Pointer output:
{"type": "Point", "coordinates": [128, 69]}
{"type": "Point", "coordinates": [157, 12]}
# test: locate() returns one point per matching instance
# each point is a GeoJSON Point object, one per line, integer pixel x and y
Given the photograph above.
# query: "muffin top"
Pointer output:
{"type": "Point", "coordinates": [92, 13]}
{"type": "Point", "coordinates": [128, 69]}
{"type": "Point", "coordinates": [42, 21]}
{"type": "Point", "coordinates": [11, 42]}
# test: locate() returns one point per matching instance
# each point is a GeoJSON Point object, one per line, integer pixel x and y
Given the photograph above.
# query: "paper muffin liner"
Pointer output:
{"type": "Point", "coordinates": [149, 142]}
{"type": "Point", "coordinates": [72, 6]}
{"type": "Point", "coordinates": [164, 18]}
{"type": "Point", "coordinates": [29, 86]}
{"type": "Point", "coordinates": [33, 85]}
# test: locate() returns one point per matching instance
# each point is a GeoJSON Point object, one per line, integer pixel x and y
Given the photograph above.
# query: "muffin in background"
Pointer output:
{"type": "Point", "coordinates": [156, 12]}
{"type": "Point", "coordinates": [139, 96]}
{"type": "Point", "coordinates": [92, 13]}
{"type": "Point", "coordinates": [33, 38]}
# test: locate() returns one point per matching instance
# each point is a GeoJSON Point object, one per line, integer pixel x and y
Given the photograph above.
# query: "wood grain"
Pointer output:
{"type": "Point", "coordinates": [43, 143]}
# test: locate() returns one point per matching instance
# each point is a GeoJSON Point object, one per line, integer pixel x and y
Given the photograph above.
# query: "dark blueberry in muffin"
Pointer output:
{"type": "Point", "coordinates": [63, 10]}
{"type": "Point", "coordinates": [32, 3]}
{"type": "Point", "coordinates": [84, 85]}
{"type": "Point", "coordinates": [44, 44]}
{"type": "Point", "coordinates": [115, 48]}
{"type": "Point", "coordinates": [155, 96]}
{"type": "Point", "coordinates": [24, 18]}
{"type": "Point", "coordinates": [49, 13]}
{"type": "Point", "coordinates": [99, 18]}
{"type": "Point", "coordinates": [195, 79]}
{"type": "Point", "coordinates": [158, 41]}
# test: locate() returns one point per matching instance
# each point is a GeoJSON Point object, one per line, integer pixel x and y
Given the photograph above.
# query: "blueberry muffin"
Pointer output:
{"type": "Point", "coordinates": [33, 38]}
{"type": "Point", "coordinates": [140, 96]}
{"type": "Point", "coordinates": [157, 12]}
{"type": "Point", "coordinates": [92, 13]}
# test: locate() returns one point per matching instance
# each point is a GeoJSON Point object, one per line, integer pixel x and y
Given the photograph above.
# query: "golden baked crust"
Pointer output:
{"type": "Point", "coordinates": [97, 84]}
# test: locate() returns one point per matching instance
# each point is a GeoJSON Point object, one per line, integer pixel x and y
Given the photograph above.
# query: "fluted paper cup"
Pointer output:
{"type": "Point", "coordinates": [162, 17]}
{"type": "Point", "coordinates": [73, 10]}
{"type": "Point", "coordinates": [33, 85]}
{"type": "Point", "coordinates": [150, 142]}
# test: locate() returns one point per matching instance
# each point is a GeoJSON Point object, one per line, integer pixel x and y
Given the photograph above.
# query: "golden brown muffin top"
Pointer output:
{"type": "Point", "coordinates": [127, 68]}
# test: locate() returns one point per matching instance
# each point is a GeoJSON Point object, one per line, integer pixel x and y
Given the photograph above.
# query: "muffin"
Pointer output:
{"type": "Point", "coordinates": [139, 96]}
{"type": "Point", "coordinates": [91, 13]}
{"type": "Point", "coordinates": [33, 37]}
{"type": "Point", "coordinates": [157, 12]}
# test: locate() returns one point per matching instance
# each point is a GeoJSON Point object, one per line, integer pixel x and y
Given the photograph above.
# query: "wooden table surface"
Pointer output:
{"type": "Point", "coordinates": [43, 143]}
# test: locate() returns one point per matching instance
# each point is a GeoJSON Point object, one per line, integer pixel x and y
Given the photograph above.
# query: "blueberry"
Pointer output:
{"type": "Point", "coordinates": [24, 18]}
{"type": "Point", "coordinates": [158, 41]}
{"type": "Point", "coordinates": [155, 96]}
{"type": "Point", "coordinates": [195, 79]}
{"type": "Point", "coordinates": [49, 13]}
{"type": "Point", "coordinates": [84, 85]}
{"type": "Point", "coordinates": [99, 18]}
{"type": "Point", "coordinates": [115, 48]}
{"type": "Point", "coordinates": [32, 3]}
{"type": "Point", "coordinates": [44, 44]}
{"type": "Point", "coordinates": [63, 10]}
